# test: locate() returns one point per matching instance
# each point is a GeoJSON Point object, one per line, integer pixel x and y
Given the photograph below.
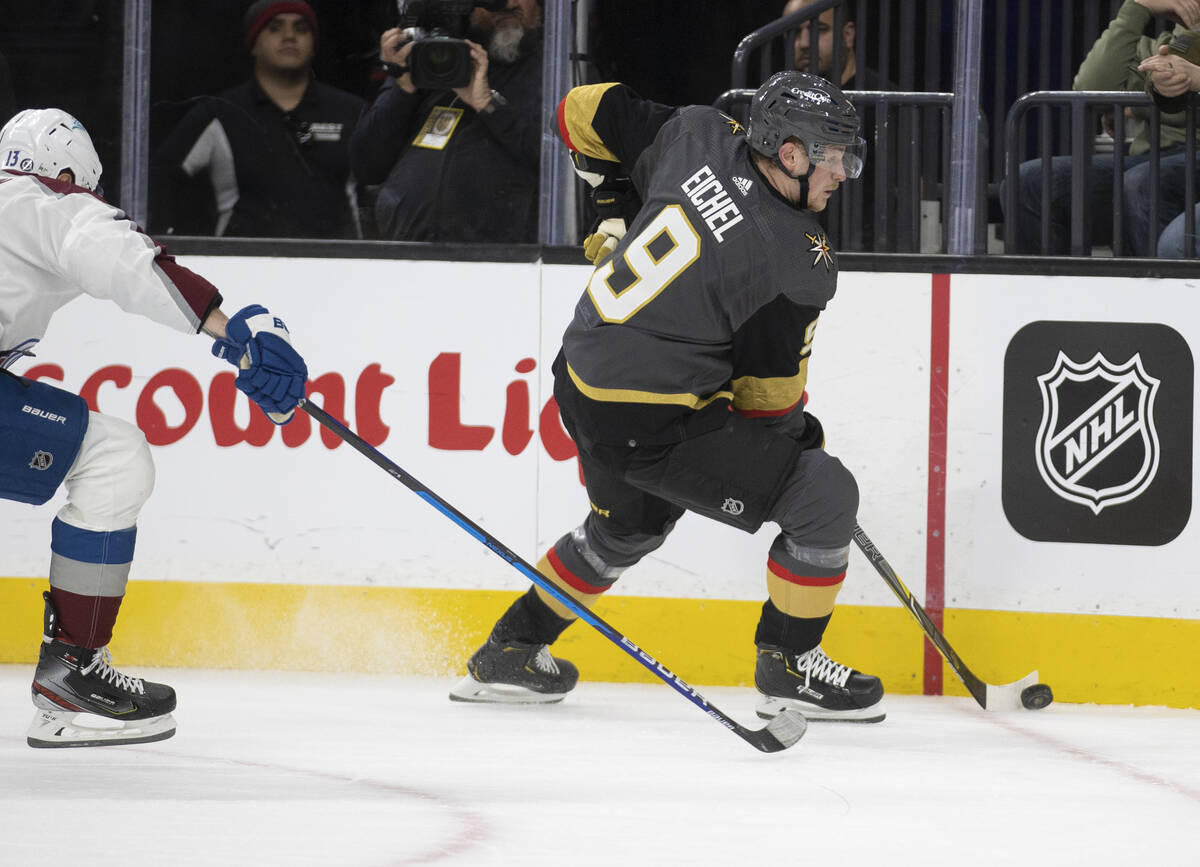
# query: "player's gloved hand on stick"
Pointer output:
{"type": "Point", "coordinates": [615, 200]}
{"type": "Point", "coordinates": [616, 204]}
{"type": "Point", "coordinates": [271, 373]}
{"type": "Point", "coordinates": [603, 239]}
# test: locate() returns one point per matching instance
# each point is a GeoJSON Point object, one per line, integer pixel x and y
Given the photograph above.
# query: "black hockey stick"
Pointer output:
{"type": "Point", "coordinates": [779, 734]}
{"type": "Point", "coordinates": [1023, 693]}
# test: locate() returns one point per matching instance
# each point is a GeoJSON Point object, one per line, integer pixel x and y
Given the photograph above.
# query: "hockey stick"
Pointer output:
{"type": "Point", "coordinates": [1010, 696]}
{"type": "Point", "coordinates": [783, 731]}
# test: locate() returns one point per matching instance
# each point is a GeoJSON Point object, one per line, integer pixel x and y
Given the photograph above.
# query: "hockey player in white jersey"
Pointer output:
{"type": "Point", "coordinates": [60, 240]}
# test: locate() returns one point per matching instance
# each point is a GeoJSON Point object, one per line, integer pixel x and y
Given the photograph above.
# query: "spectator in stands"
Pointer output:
{"type": "Point", "coordinates": [851, 78]}
{"type": "Point", "coordinates": [461, 164]}
{"type": "Point", "coordinates": [1171, 78]}
{"type": "Point", "coordinates": [803, 47]}
{"type": "Point", "coordinates": [272, 152]}
{"type": "Point", "coordinates": [1110, 65]}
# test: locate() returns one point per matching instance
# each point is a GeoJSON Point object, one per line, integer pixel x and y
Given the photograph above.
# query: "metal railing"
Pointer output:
{"type": "Point", "coordinates": [1081, 110]}
{"type": "Point", "coordinates": [903, 180]}
{"type": "Point", "coordinates": [884, 26]}
{"type": "Point", "coordinates": [1045, 42]}
{"type": "Point", "coordinates": [887, 26]}
{"type": "Point", "coordinates": [1024, 44]}
{"type": "Point", "coordinates": [787, 27]}
{"type": "Point", "coordinates": [1016, 45]}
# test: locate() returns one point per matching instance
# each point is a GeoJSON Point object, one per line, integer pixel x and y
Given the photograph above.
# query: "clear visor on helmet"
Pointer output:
{"type": "Point", "coordinates": [840, 159]}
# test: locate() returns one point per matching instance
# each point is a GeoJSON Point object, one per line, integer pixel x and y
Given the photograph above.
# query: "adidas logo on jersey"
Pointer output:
{"type": "Point", "coordinates": [743, 185]}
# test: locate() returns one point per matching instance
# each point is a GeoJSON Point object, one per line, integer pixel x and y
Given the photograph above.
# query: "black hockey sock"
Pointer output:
{"type": "Point", "coordinates": [529, 620]}
{"type": "Point", "coordinates": [797, 634]}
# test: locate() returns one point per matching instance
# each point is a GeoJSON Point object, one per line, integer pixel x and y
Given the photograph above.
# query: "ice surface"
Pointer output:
{"type": "Point", "coordinates": [321, 769]}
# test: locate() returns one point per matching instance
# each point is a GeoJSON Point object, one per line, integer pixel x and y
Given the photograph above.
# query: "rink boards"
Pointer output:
{"type": "Point", "coordinates": [1023, 445]}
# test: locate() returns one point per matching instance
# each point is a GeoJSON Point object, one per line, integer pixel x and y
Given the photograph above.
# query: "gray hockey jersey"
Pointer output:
{"type": "Point", "coordinates": [710, 302]}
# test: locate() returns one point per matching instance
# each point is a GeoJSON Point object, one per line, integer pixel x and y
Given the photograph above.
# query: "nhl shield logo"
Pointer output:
{"type": "Point", "coordinates": [41, 460]}
{"type": "Point", "coordinates": [1097, 444]}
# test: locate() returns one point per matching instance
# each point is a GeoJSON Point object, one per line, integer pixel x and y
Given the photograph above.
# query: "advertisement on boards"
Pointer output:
{"type": "Point", "coordinates": [1098, 432]}
{"type": "Point", "coordinates": [445, 367]}
{"type": "Point", "coordinates": [1072, 442]}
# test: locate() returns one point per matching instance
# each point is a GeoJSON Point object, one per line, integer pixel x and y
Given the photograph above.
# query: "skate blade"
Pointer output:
{"type": "Point", "coordinates": [53, 729]}
{"type": "Point", "coordinates": [770, 707]}
{"type": "Point", "coordinates": [470, 689]}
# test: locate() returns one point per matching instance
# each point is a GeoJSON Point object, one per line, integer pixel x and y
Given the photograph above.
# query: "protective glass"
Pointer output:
{"type": "Point", "coordinates": [847, 159]}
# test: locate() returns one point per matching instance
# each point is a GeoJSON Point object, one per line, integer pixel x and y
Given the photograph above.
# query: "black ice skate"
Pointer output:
{"type": "Point", "coordinates": [515, 673]}
{"type": "Point", "coordinates": [815, 685]}
{"type": "Point", "coordinates": [83, 701]}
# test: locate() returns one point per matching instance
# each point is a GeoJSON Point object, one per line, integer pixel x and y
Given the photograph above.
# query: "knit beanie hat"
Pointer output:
{"type": "Point", "coordinates": [260, 13]}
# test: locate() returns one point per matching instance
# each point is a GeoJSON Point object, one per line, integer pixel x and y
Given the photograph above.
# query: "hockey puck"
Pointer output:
{"type": "Point", "coordinates": [1036, 697]}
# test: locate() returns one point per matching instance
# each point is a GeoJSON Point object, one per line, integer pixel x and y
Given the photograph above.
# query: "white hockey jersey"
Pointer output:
{"type": "Point", "coordinates": [59, 241]}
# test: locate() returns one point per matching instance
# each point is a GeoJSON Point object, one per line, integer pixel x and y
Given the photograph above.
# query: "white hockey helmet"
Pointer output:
{"type": "Point", "coordinates": [46, 141]}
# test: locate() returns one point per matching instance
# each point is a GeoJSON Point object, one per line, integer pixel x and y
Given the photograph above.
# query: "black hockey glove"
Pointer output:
{"type": "Point", "coordinates": [616, 203]}
{"type": "Point", "coordinates": [615, 200]}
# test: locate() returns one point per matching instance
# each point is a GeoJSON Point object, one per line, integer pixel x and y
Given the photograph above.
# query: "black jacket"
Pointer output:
{"type": "Point", "coordinates": [482, 186]}
{"type": "Point", "coordinates": [272, 173]}
{"type": "Point", "coordinates": [8, 103]}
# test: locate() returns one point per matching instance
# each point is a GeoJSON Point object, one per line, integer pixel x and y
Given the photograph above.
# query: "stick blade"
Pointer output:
{"type": "Point", "coordinates": [779, 734]}
{"type": "Point", "coordinates": [1007, 696]}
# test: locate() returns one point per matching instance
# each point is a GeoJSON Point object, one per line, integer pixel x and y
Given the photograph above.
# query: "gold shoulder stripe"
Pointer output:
{"type": "Point", "coordinates": [629, 395]}
{"type": "Point", "coordinates": [575, 114]}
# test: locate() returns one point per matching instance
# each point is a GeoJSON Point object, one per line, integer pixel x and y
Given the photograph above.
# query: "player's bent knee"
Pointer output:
{"type": "Point", "coordinates": [620, 547]}
{"type": "Point", "coordinates": [113, 476]}
{"type": "Point", "coordinates": [841, 495]}
{"type": "Point", "coordinates": [133, 469]}
{"type": "Point", "coordinates": [139, 474]}
{"type": "Point", "coordinates": [819, 505]}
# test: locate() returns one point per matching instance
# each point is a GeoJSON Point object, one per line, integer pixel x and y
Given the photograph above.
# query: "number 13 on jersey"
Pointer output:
{"type": "Point", "coordinates": [654, 258]}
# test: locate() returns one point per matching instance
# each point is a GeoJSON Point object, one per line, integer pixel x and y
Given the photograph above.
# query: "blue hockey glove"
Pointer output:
{"type": "Point", "coordinates": [271, 373]}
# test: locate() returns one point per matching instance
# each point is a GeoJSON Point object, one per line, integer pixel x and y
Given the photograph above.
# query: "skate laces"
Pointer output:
{"type": "Point", "coordinates": [819, 666]}
{"type": "Point", "coordinates": [544, 662]}
{"type": "Point", "coordinates": [102, 664]}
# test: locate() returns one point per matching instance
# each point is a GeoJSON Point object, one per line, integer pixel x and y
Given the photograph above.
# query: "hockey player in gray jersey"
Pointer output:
{"type": "Point", "coordinates": [681, 377]}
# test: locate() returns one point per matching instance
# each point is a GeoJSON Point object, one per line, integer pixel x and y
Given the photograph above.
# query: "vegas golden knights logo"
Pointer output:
{"type": "Point", "coordinates": [821, 250]}
{"type": "Point", "coordinates": [1097, 444]}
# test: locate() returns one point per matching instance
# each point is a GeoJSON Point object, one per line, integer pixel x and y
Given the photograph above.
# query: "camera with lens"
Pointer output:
{"type": "Point", "coordinates": [440, 58]}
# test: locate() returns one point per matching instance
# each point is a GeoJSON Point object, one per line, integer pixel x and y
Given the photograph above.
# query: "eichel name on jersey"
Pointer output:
{"type": "Point", "coordinates": [710, 300]}
{"type": "Point", "coordinates": [714, 205]}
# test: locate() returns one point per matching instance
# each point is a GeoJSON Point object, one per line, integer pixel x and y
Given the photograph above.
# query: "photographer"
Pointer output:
{"type": "Point", "coordinates": [459, 164]}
